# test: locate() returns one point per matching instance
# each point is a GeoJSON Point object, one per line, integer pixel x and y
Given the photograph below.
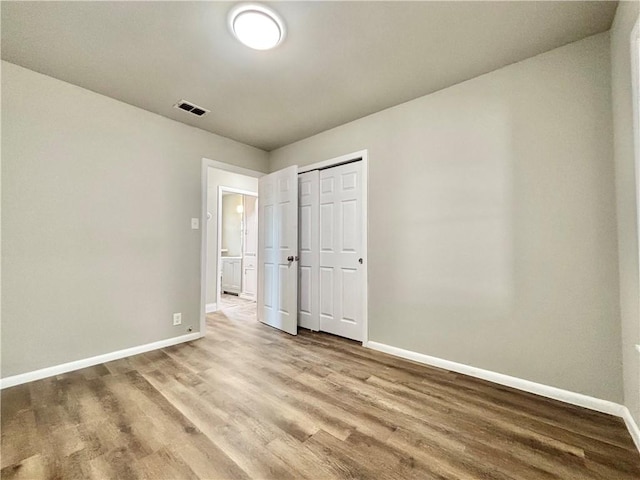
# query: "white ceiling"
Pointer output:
{"type": "Point", "coordinates": [339, 62]}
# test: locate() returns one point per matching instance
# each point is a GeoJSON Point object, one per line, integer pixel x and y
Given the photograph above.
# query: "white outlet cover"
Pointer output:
{"type": "Point", "coordinates": [177, 318]}
{"type": "Point", "coordinates": [195, 223]}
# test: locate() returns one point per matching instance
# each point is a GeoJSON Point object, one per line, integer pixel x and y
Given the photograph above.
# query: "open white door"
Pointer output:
{"type": "Point", "coordinates": [277, 249]}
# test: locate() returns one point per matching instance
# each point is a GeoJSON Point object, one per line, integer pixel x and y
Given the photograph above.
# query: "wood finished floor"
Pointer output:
{"type": "Point", "coordinates": [251, 402]}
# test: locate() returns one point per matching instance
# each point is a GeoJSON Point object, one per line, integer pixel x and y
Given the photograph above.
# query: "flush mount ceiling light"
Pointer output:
{"type": "Point", "coordinates": [256, 26]}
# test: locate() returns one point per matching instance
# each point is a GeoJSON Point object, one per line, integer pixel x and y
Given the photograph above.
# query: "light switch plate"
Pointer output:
{"type": "Point", "coordinates": [195, 223]}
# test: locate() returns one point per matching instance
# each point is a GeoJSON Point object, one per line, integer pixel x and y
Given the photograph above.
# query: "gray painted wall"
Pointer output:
{"type": "Point", "coordinates": [97, 198]}
{"type": "Point", "coordinates": [626, 16]}
{"type": "Point", "coordinates": [492, 221]}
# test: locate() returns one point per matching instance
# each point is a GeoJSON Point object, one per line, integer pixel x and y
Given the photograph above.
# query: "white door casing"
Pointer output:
{"type": "Point", "coordinates": [277, 249]}
{"type": "Point", "coordinates": [309, 238]}
{"type": "Point", "coordinates": [341, 251]}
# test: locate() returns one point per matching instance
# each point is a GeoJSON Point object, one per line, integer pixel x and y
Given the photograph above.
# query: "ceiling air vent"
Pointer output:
{"type": "Point", "coordinates": [191, 108]}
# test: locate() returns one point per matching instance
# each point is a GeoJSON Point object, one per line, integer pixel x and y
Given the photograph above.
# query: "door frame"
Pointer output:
{"type": "Point", "coordinates": [363, 155]}
{"type": "Point", "coordinates": [635, 99]}
{"type": "Point", "coordinates": [204, 185]}
{"type": "Point", "coordinates": [221, 190]}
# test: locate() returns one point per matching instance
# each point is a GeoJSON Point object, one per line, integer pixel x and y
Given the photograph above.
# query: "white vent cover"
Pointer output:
{"type": "Point", "coordinates": [192, 108]}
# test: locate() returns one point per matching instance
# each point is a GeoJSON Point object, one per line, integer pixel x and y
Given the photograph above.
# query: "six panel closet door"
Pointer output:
{"type": "Point", "coordinates": [331, 254]}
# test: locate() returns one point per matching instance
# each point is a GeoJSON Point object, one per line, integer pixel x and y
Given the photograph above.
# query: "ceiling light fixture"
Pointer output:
{"type": "Point", "coordinates": [256, 26]}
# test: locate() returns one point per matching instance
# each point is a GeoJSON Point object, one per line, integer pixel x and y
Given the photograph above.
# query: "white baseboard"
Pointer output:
{"type": "Point", "coordinates": [91, 361]}
{"type": "Point", "coordinates": [246, 296]}
{"type": "Point", "coordinates": [573, 398]}
{"type": "Point", "coordinates": [579, 399]}
{"type": "Point", "coordinates": [632, 426]}
{"type": "Point", "coordinates": [211, 307]}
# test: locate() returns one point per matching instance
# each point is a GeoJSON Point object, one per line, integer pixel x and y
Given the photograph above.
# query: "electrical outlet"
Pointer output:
{"type": "Point", "coordinates": [177, 318]}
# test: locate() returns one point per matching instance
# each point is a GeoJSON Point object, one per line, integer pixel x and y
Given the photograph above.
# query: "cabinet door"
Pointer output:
{"type": "Point", "coordinates": [231, 275]}
{"type": "Point", "coordinates": [236, 280]}
{"type": "Point", "coordinates": [227, 275]}
{"type": "Point", "coordinates": [249, 279]}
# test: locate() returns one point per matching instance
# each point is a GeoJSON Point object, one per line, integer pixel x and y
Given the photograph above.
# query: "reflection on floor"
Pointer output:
{"type": "Point", "coordinates": [238, 307]}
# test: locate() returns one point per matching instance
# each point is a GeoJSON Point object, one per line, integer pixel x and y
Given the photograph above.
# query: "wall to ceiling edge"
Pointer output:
{"type": "Point", "coordinates": [492, 220]}
{"type": "Point", "coordinates": [97, 197]}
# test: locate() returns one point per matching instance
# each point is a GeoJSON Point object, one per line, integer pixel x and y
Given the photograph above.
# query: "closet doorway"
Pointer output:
{"type": "Point", "coordinates": [331, 281]}
{"type": "Point", "coordinates": [312, 271]}
{"type": "Point", "coordinates": [237, 233]}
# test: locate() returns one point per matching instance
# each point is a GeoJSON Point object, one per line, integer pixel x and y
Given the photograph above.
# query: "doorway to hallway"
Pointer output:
{"type": "Point", "coordinates": [229, 237]}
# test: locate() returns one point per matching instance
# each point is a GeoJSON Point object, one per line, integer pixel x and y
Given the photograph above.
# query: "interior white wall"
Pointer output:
{"type": "Point", "coordinates": [626, 16]}
{"type": "Point", "coordinates": [492, 231]}
{"type": "Point", "coordinates": [217, 178]}
{"type": "Point", "coordinates": [97, 198]}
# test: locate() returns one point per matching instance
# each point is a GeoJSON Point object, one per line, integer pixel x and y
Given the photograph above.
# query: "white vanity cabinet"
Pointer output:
{"type": "Point", "coordinates": [232, 274]}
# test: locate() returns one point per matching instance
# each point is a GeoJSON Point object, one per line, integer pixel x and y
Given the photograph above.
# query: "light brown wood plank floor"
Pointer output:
{"type": "Point", "coordinates": [230, 301]}
{"type": "Point", "coordinates": [251, 402]}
